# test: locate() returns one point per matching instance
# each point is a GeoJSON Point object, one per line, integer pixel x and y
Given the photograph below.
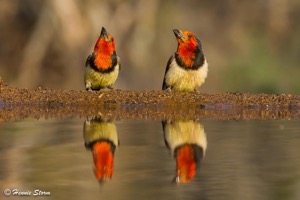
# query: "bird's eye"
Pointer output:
{"type": "Point", "coordinates": [189, 36]}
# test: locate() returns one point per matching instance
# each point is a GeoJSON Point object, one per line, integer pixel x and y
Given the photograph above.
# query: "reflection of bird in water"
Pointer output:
{"type": "Point", "coordinates": [187, 143]}
{"type": "Point", "coordinates": [101, 138]}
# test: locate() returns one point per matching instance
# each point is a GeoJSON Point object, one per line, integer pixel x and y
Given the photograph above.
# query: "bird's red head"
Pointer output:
{"type": "Point", "coordinates": [103, 161]}
{"type": "Point", "coordinates": [104, 49]}
{"type": "Point", "coordinates": [185, 164]}
{"type": "Point", "coordinates": [188, 46]}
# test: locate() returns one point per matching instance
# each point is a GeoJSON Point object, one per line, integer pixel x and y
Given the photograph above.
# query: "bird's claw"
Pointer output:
{"type": "Point", "coordinates": [169, 89]}
{"type": "Point", "coordinates": [110, 87]}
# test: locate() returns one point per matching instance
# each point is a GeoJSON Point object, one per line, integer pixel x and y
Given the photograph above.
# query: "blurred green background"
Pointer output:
{"type": "Point", "coordinates": [251, 46]}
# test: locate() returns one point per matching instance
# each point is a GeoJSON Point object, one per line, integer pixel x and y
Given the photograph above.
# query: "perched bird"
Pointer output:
{"type": "Point", "coordinates": [187, 68]}
{"type": "Point", "coordinates": [101, 138]}
{"type": "Point", "coordinates": [187, 142]}
{"type": "Point", "coordinates": [103, 65]}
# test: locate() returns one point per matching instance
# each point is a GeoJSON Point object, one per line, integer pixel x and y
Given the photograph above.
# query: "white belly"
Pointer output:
{"type": "Point", "coordinates": [96, 130]}
{"type": "Point", "coordinates": [185, 80]}
{"type": "Point", "coordinates": [185, 132]}
{"type": "Point", "coordinates": [96, 80]}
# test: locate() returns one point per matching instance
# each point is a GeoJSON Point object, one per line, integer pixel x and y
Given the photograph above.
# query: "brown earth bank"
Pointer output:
{"type": "Point", "coordinates": [16, 103]}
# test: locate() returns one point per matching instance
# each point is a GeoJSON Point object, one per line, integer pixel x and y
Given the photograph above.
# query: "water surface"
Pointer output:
{"type": "Point", "coordinates": [246, 159]}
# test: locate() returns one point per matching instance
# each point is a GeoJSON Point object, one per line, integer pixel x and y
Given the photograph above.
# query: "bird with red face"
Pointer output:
{"type": "Point", "coordinates": [187, 68]}
{"type": "Point", "coordinates": [103, 65]}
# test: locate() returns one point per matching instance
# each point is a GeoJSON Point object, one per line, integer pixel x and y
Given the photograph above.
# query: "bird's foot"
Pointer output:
{"type": "Point", "coordinates": [90, 90]}
{"type": "Point", "coordinates": [169, 89]}
{"type": "Point", "coordinates": [110, 87]}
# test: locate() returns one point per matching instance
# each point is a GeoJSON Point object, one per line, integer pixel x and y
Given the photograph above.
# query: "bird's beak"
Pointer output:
{"type": "Point", "coordinates": [178, 34]}
{"type": "Point", "coordinates": [104, 34]}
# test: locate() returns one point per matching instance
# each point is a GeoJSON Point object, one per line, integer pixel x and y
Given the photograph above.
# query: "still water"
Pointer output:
{"type": "Point", "coordinates": [183, 159]}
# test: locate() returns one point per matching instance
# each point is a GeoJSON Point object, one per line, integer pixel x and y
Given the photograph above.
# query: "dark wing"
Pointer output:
{"type": "Point", "coordinates": [90, 59]}
{"type": "Point", "coordinates": [119, 62]}
{"type": "Point", "coordinates": [164, 124]}
{"type": "Point", "coordinates": [165, 86]}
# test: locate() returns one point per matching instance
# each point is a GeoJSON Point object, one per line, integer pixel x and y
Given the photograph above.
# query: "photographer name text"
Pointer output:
{"type": "Point", "coordinates": [17, 192]}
